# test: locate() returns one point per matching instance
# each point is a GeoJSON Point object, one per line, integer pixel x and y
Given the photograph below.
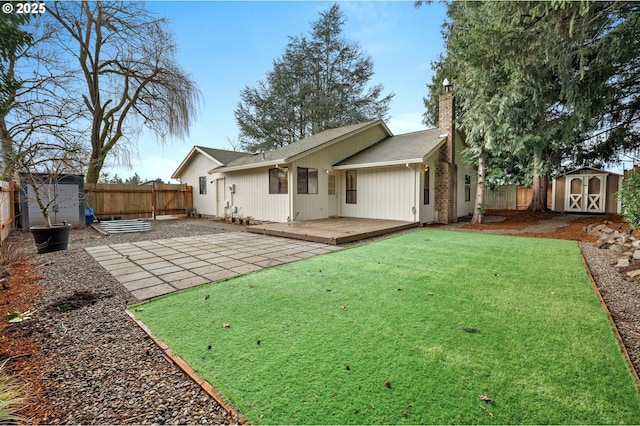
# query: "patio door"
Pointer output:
{"type": "Point", "coordinates": [585, 193]}
{"type": "Point", "coordinates": [333, 194]}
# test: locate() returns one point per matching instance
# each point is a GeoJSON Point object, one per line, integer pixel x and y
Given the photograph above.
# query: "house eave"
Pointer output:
{"type": "Point", "coordinates": [417, 160]}
{"type": "Point", "coordinates": [259, 165]}
{"type": "Point", "coordinates": [379, 164]}
{"type": "Point", "coordinates": [339, 139]}
{"type": "Point", "coordinates": [188, 159]}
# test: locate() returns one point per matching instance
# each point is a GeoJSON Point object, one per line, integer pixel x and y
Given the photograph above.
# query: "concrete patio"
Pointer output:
{"type": "Point", "coordinates": [334, 231]}
{"type": "Point", "coordinates": [153, 268]}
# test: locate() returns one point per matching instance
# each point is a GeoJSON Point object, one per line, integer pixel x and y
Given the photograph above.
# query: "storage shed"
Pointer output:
{"type": "Point", "coordinates": [586, 190]}
{"type": "Point", "coordinates": [67, 194]}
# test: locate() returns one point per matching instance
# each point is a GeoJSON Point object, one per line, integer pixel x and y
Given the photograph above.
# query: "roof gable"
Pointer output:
{"type": "Point", "coordinates": [588, 170]}
{"type": "Point", "coordinates": [217, 156]}
{"type": "Point", "coordinates": [302, 147]}
{"type": "Point", "coordinates": [400, 149]}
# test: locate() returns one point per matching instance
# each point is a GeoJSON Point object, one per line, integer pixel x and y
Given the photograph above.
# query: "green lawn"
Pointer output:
{"type": "Point", "coordinates": [412, 329]}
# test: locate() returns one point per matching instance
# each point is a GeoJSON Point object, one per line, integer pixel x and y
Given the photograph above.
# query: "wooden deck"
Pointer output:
{"type": "Point", "coordinates": [332, 231]}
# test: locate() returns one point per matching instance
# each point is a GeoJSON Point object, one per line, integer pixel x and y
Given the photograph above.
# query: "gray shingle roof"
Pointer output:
{"type": "Point", "coordinates": [289, 151]}
{"type": "Point", "coordinates": [223, 155]}
{"type": "Point", "coordinates": [399, 148]}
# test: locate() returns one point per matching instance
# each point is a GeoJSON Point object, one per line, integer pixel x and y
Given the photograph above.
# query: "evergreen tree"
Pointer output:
{"type": "Point", "coordinates": [320, 82]}
{"type": "Point", "coordinates": [13, 40]}
{"type": "Point", "coordinates": [133, 180]}
{"type": "Point", "coordinates": [554, 83]}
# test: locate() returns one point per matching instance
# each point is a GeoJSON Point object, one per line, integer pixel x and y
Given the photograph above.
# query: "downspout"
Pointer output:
{"type": "Point", "coordinates": [290, 217]}
{"type": "Point", "coordinates": [415, 189]}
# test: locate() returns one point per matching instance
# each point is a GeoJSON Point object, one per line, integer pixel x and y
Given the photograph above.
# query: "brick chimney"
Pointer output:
{"type": "Point", "coordinates": [446, 205]}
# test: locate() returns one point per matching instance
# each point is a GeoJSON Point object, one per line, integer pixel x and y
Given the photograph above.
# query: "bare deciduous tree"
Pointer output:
{"type": "Point", "coordinates": [39, 103]}
{"type": "Point", "coordinates": [129, 74]}
{"type": "Point", "coordinates": [42, 165]}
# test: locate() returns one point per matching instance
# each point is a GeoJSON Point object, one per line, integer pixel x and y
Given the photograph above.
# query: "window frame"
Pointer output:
{"type": "Point", "coordinates": [202, 185]}
{"type": "Point", "coordinates": [426, 182]}
{"type": "Point", "coordinates": [306, 186]}
{"type": "Point", "coordinates": [279, 181]}
{"type": "Point", "coordinates": [467, 188]}
{"type": "Point", "coordinates": [351, 187]}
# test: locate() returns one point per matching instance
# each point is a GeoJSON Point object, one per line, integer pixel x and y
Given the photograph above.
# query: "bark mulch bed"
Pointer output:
{"type": "Point", "coordinates": [18, 350]}
{"type": "Point", "coordinates": [29, 359]}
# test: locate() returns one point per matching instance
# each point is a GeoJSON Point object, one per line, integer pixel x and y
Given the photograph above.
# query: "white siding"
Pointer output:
{"type": "Point", "coordinates": [204, 204]}
{"type": "Point", "coordinates": [465, 208]}
{"type": "Point", "coordinates": [427, 212]}
{"type": "Point", "coordinates": [252, 198]}
{"type": "Point", "coordinates": [384, 193]}
{"type": "Point", "coordinates": [315, 206]}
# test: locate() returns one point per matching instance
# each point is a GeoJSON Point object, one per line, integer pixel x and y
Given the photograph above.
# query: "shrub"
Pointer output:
{"type": "Point", "coordinates": [10, 255]}
{"type": "Point", "coordinates": [9, 400]}
{"type": "Point", "coordinates": [629, 195]}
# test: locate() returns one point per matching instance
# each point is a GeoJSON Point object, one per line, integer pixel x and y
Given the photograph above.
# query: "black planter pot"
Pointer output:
{"type": "Point", "coordinates": [49, 239]}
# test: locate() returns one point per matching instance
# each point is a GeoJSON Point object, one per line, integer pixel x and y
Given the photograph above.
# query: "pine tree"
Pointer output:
{"type": "Point", "coordinates": [320, 82]}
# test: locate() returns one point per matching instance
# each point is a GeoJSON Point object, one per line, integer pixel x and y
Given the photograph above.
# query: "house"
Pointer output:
{"type": "Point", "coordinates": [361, 170]}
{"type": "Point", "coordinates": [193, 171]}
{"type": "Point", "coordinates": [586, 190]}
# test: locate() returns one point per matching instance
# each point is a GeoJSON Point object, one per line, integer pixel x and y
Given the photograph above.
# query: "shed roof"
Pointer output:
{"type": "Point", "coordinates": [302, 147]}
{"type": "Point", "coordinates": [400, 149]}
{"type": "Point", "coordinates": [588, 170]}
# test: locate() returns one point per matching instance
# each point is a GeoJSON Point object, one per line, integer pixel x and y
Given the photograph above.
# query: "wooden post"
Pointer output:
{"type": "Point", "coordinates": [154, 200]}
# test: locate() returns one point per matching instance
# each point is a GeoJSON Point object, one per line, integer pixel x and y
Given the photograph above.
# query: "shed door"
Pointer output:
{"type": "Point", "coordinates": [586, 193]}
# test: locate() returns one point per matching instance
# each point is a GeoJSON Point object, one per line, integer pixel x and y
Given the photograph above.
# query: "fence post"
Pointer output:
{"type": "Point", "coordinates": [154, 200]}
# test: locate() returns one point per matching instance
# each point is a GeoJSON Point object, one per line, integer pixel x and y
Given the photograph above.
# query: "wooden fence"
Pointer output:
{"type": "Point", "coordinates": [138, 201]}
{"type": "Point", "coordinates": [628, 173]}
{"type": "Point", "coordinates": [511, 197]}
{"type": "Point", "coordinates": [7, 207]}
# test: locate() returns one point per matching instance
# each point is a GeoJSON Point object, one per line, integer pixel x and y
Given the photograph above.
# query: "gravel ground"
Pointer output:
{"type": "Point", "coordinates": [621, 296]}
{"type": "Point", "coordinates": [103, 368]}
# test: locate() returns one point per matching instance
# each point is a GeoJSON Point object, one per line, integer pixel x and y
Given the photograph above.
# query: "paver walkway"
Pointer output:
{"type": "Point", "coordinates": [153, 268]}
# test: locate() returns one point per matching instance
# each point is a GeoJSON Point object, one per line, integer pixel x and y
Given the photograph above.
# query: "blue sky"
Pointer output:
{"type": "Point", "coordinates": [227, 45]}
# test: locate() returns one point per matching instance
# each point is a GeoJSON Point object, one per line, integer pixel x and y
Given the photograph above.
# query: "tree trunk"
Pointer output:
{"type": "Point", "coordinates": [93, 172]}
{"type": "Point", "coordinates": [540, 186]}
{"type": "Point", "coordinates": [478, 211]}
{"type": "Point", "coordinates": [95, 166]}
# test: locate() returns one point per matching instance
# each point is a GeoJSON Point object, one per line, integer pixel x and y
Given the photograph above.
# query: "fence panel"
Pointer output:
{"type": "Point", "coordinates": [525, 194]}
{"type": "Point", "coordinates": [172, 198]}
{"type": "Point", "coordinates": [6, 209]}
{"type": "Point", "coordinates": [628, 173]}
{"type": "Point", "coordinates": [138, 201]}
{"type": "Point", "coordinates": [500, 198]}
{"type": "Point", "coordinates": [511, 197]}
